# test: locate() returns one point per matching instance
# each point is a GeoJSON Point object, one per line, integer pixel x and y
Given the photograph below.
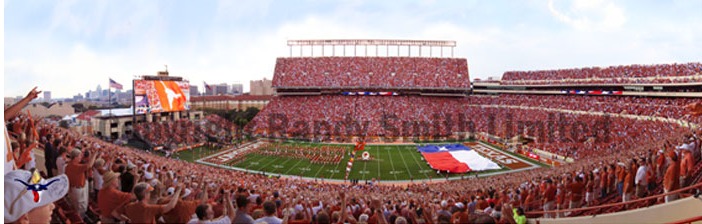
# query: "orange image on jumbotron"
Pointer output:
{"type": "Point", "coordinates": [162, 96]}
{"type": "Point", "coordinates": [170, 96]}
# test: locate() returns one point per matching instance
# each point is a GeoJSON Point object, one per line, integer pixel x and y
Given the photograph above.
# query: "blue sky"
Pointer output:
{"type": "Point", "coordinates": [68, 47]}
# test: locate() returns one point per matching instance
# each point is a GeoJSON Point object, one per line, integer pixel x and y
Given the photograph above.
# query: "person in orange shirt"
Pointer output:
{"type": "Point", "coordinates": [604, 182]}
{"type": "Point", "coordinates": [76, 172]}
{"type": "Point", "coordinates": [184, 209]}
{"type": "Point", "coordinates": [686, 165]}
{"type": "Point", "coordinates": [651, 176]}
{"type": "Point", "coordinates": [660, 164]}
{"type": "Point", "coordinates": [590, 189]}
{"type": "Point", "coordinates": [549, 198]}
{"type": "Point", "coordinates": [612, 178]}
{"type": "Point", "coordinates": [109, 197]}
{"type": "Point", "coordinates": [141, 211]}
{"type": "Point", "coordinates": [576, 192]}
{"type": "Point", "coordinates": [530, 197]}
{"type": "Point", "coordinates": [672, 175]}
{"type": "Point", "coordinates": [621, 174]}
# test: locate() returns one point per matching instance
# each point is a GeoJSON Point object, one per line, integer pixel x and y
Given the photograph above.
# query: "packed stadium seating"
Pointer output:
{"type": "Point", "coordinates": [418, 116]}
{"type": "Point", "coordinates": [625, 74]}
{"type": "Point", "coordinates": [173, 134]}
{"type": "Point", "coordinates": [607, 150]}
{"type": "Point", "coordinates": [524, 189]}
{"type": "Point", "coordinates": [371, 72]}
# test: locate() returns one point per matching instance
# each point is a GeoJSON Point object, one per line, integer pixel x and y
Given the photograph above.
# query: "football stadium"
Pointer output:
{"type": "Point", "coordinates": [386, 137]}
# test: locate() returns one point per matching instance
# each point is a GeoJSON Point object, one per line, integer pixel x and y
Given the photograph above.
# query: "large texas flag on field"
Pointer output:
{"type": "Point", "coordinates": [455, 158]}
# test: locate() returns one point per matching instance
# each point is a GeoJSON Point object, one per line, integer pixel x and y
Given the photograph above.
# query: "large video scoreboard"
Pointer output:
{"type": "Point", "coordinates": [155, 96]}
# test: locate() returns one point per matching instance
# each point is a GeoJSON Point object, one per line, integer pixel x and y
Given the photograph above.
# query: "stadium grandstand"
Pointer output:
{"type": "Point", "coordinates": [615, 145]}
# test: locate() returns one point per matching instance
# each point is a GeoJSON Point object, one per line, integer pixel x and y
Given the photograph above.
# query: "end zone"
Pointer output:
{"type": "Point", "coordinates": [514, 163]}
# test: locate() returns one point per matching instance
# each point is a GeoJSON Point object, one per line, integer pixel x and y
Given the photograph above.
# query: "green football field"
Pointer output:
{"type": "Point", "coordinates": [388, 162]}
{"type": "Point", "coordinates": [195, 153]}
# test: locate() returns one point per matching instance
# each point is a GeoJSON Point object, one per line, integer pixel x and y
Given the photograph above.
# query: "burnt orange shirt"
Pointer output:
{"type": "Point", "coordinates": [629, 182]}
{"type": "Point", "coordinates": [687, 164]}
{"type": "Point", "coordinates": [576, 191]}
{"type": "Point", "coordinates": [182, 212]}
{"type": "Point", "coordinates": [76, 174]}
{"type": "Point", "coordinates": [139, 212]}
{"type": "Point", "coordinates": [621, 174]}
{"type": "Point", "coordinates": [603, 180]}
{"type": "Point", "coordinates": [671, 180]}
{"type": "Point", "coordinates": [660, 161]}
{"type": "Point", "coordinates": [109, 198]}
{"type": "Point", "coordinates": [550, 193]}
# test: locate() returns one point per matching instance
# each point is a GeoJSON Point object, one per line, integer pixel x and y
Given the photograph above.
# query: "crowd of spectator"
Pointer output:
{"type": "Point", "coordinates": [112, 183]}
{"type": "Point", "coordinates": [185, 132]}
{"type": "Point", "coordinates": [622, 74]}
{"type": "Point", "coordinates": [641, 106]}
{"type": "Point", "coordinates": [374, 72]}
{"type": "Point", "coordinates": [574, 135]}
{"type": "Point", "coordinates": [132, 181]}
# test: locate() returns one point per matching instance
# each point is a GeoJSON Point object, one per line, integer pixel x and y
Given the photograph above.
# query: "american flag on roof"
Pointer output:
{"type": "Point", "coordinates": [115, 85]}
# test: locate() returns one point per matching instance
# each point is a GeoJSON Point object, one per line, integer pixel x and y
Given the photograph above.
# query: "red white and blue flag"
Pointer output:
{"type": "Point", "coordinates": [207, 86]}
{"type": "Point", "coordinates": [115, 85]}
{"type": "Point", "coordinates": [455, 158]}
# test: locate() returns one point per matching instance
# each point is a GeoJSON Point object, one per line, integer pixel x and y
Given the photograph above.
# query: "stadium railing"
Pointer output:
{"type": "Point", "coordinates": [538, 214]}
{"type": "Point", "coordinates": [688, 220]}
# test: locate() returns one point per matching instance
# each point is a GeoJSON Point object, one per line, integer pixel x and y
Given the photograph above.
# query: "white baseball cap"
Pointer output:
{"type": "Point", "coordinates": [170, 191]}
{"type": "Point", "coordinates": [186, 193]}
{"type": "Point", "coordinates": [25, 191]}
{"type": "Point", "coordinates": [460, 205]}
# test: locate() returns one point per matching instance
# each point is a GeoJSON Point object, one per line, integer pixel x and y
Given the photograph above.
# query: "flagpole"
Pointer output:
{"type": "Point", "coordinates": [109, 106]}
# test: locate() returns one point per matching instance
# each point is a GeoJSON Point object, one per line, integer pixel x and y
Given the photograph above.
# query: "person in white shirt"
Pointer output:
{"type": "Point", "coordinates": [641, 180]}
{"type": "Point", "coordinates": [97, 172]}
{"type": "Point", "coordinates": [61, 161]}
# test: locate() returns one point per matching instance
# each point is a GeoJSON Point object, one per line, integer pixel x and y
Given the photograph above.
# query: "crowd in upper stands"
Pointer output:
{"type": "Point", "coordinates": [184, 132]}
{"type": "Point", "coordinates": [333, 117]}
{"type": "Point", "coordinates": [623, 74]}
{"type": "Point", "coordinates": [398, 72]}
{"type": "Point", "coordinates": [112, 183]}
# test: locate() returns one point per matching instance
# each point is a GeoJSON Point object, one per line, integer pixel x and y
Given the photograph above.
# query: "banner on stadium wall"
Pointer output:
{"type": "Point", "coordinates": [189, 147]}
{"type": "Point", "coordinates": [370, 93]}
{"type": "Point", "coordinates": [591, 92]}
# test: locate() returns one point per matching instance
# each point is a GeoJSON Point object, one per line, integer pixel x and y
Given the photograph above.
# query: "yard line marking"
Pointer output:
{"type": "Point", "coordinates": [269, 163]}
{"type": "Point", "coordinates": [377, 150]}
{"type": "Point", "coordinates": [293, 167]}
{"type": "Point", "coordinates": [337, 165]}
{"type": "Point", "coordinates": [419, 165]}
{"type": "Point", "coordinates": [364, 169]}
{"type": "Point", "coordinates": [393, 172]}
{"type": "Point", "coordinates": [409, 173]}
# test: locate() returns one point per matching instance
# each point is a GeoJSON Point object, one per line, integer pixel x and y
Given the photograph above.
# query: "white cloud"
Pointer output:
{"type": "Point", "coordinates": [69, 64]}
{"type": "Point", "coordinates": [586, 15]}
